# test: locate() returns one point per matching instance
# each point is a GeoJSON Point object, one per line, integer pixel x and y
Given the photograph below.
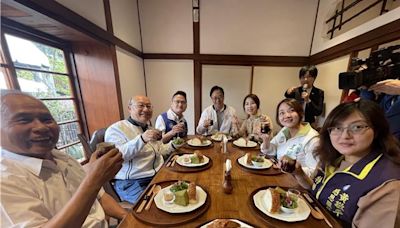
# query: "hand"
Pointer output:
{"type": "Point", "coordinates": [389, 86]}
{"type": "Point", "coordinates": [235, 120]}
{"type": "Point", "coordinates": [151, 135]}
{"type": "Point", "coordinates": [104, 168]}
{"type": "Point", "coordinates": [291, 90]}
{"type": "Point", "coordinates": [207, 123]}
{"type": "Point", "coordinates": [305, 96]}
{"type": "Point", "coordinates": [265, 138]}
{"type": "Point", "coordinates": [180, 127]}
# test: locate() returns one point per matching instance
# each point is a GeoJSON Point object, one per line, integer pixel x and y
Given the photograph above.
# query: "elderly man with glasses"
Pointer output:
{"type": "Point", "coordinates": [172, 123]}
{"type": "Point", "coordinates": [141, 149]}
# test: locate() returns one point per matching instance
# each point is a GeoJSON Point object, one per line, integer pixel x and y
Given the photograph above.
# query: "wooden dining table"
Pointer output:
{"type": "Point", "coordinates": [237, 205]}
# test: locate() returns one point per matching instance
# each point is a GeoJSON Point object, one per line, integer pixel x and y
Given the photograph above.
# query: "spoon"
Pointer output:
{"type": "Point", "coordinates": [314, 213]}
{"type": "Point", "coordinates": [155, 191]}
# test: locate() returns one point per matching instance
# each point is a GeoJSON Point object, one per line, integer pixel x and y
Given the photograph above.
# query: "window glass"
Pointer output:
{"type": "Point", "coordinates": [32, 55]}
{"type": "Point", "coordinates": [68, 134]}
{"type": "Point", "coordinates": [76, 151]}
{"type": "Point", "coordinates": [41, 71]}
{"type": "Point", "coordinates": [62, 110]}
{"type": "Point", "coordinates": [44, 85]}
{"type": "Point", "coordinates": [3, 83]}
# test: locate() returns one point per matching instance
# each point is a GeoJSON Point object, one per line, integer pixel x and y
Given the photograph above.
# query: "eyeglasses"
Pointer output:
{"type": "Point", "coordinates": [217, 98]}
{"type": "Point", "coordinates": [353, 129]}
{"type": "Point", "coordinates": [142, 106]}
{"type": "Point", "coordinates": [179, 102]}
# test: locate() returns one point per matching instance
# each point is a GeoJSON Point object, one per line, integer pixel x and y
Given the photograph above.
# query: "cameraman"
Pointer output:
{"type": "Point", "coordinates": [387, 94]}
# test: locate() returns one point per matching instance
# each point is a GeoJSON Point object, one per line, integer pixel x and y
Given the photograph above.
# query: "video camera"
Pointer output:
{"type": "Point", "coordinates": [381, 65]}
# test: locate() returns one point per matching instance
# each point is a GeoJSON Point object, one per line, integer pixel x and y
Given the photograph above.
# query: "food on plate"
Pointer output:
{"type": "Point", "coordinates": [273, 202]}
{"type": "Point", "coordinates": [242, 141]}
{"type": "Point", "coordinates": [288, 200]}
{"type": "Point", "coordinates": [181, 197]}
{"type": "Point", "coordinates": [180, 191]}
{"type": "Point", "coordinates": [257, 161]}
{"type": "Point", "coordinates": [248, 159]}
{"type": "Point", "coordinates": [203, 139]}
{"type": "Point", "coordinates": [186, 159]}
{"type": "Point", "coordinates": [277, 199]}
{"type": "Point", "coordinates": [223, 223]}
{"type": "Point", "coordinates": [178, 141]}
{"type": "Point", "coordinates": [288, 164]}
{"type": "Point", "coordinates": [184, 193]}
{"type": "Point", "coordinates": [168, 196]}
{"type": "Point", "coordinates": [198, 157]}
{"type": "Point", "coordinates": [192, 193]}
{"type": "Point", "coordinates": [218, 136]}
{"type": "Point", "coordinates": [178, 186]}
{"type": "Point", "coordinates": [197, 142]}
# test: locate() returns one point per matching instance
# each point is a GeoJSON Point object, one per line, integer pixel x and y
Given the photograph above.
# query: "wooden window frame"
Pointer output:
{"type": "Point", "coordinates": [10, 71]}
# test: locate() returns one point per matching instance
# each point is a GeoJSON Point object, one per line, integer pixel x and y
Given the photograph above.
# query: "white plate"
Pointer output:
{"type": "Point", "coordinates": [175, 208]}
{"type": "Point", "coordinates": [179, 160]}
{"type": "Point", "coordinates": [242, 224]}
{"type": "Point", "coordinates": [249, 143]}
{"type": "Point", "coordinates": [302, 212]}
{"type": "Point", "coordinates": [243, 161]}
{"type": "Point", "coordinates": [206, 143]}
{"type": "Point", "coordinates": [218, 138]}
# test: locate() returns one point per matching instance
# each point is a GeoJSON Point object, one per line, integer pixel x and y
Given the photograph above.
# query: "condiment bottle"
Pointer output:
{"type": "Point", "coordinates": [227, 185]}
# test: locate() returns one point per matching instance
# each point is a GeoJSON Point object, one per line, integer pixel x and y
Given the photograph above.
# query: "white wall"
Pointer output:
{"type": "Point", "coordinates": [130, 77]}
{"type": "Point", "coordinates": [92, 10]}
{"type": "Point", "coordinates": [167, 26]}
{"type": "Point", "coordinates": [235, 80]}
{"type": "Point", "coordinates": [328, 80]}
{"type": "Point", "coordinates": [257, 27]}
{"type": "Point", "coordinates": [125, 19]}
{"type": "Point", "coordinates": [270, 84]}
{"type": "Point", "coordinates": [321, 43]}
{"type": "Point", "coordinates": [163, 79]}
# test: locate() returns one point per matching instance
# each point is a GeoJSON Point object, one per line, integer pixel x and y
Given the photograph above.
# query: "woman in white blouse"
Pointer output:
{"type": "Point", "coordinates": [296, 139]}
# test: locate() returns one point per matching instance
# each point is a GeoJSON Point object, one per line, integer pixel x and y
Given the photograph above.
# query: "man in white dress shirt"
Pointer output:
{"type": "Point", "coordinates": [41, 186]}
{"type": "Point", "coordinates": [217, 117]}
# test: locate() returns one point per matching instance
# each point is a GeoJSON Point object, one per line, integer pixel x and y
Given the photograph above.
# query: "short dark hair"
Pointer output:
{"type": "Point", "coordinates": [293, 103]}
{"type": "Point", "coordinates": [254, 98]}
{"type": "Point", "coordinates": [179, 92]}
{"type": "Point", "coordinates": [383, 141]}
{"type": "Point", "coordinates": [214, 88]}
{"type": "Point", "coordinates": [312, 70]}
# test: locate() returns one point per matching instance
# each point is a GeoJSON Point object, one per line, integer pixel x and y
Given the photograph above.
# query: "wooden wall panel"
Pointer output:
{"type": "Point", "coordinates": [94, 65]}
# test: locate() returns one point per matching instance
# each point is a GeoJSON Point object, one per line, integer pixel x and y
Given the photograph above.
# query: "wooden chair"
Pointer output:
{"type": "Point", "coordinates": [90, 147]}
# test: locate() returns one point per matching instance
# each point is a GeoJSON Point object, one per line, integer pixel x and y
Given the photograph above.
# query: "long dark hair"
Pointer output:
{"type": "Point", "coordinates": [293, 103]}
{"type": "Point", "coordinates": [383, 141]}
{"type": "Point", "coordinates": [254, 98]}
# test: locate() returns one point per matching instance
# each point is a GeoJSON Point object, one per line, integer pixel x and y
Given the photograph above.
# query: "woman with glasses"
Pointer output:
{"type": "Point", "coordinates": [359, 178]}
{"type": "Point", "coordinates": [256, 123]}
{"type": "Point", "coordinates": [296, 140]}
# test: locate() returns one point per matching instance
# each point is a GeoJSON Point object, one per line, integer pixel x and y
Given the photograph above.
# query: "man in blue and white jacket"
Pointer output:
{"type": "Point", "coordinates": [141, 149]}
